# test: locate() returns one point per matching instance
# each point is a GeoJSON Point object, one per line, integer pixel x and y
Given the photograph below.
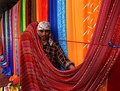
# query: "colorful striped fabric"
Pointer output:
{"type": "Point", "coordinates": [38, 73]}
{"type": "Point", "coordinates": [73, 24]}
{"type": "Point", "coordinates": [15, 41]}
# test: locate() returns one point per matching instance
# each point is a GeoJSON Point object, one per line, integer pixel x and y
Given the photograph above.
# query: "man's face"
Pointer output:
{"type": "Point", "coordinates": [44, 34]}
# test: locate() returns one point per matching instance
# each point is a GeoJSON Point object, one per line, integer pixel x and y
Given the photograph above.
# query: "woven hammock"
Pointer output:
{"type": "Point", "coordinates": [38, 74]}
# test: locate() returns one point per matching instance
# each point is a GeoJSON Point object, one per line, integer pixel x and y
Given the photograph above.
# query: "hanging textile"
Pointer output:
{"type": "Point", "coordinates": [42, 10]}
{"type": "Point", "coordinates": [90, 16]}
{"type": "Point", "coordinates": [22, 15]}
{"type": "Point", "coordinates": [28, 12]}
{"type": "Point", "coordinates": [11, 41]}
{"type": "Point", "coordinates": [5, 42]}
{"type": "Point", "coordinates": [1, 49]}
{"type": "Point", "coordinates": [3, 62]}
{"type": "Point", "coordinates": [81, 21]}
{"type": "Point", "coordinates": [37, 73]}
{"type": "Point", "coordinates": [61, 24]}
{"type": "Point", "coordinates": [33, 10]}
{"type": "Point", "coordinates": [114, 76]}
{"type": "Point", "coordinates": [74, 16]}
{"type": "Point", "coordinates": [2, 45]}
{"type": "Point", "coordinates": [53, 18]}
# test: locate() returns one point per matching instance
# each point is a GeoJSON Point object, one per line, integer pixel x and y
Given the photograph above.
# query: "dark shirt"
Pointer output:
{"type": "Point", "coordinates": [56, 55]}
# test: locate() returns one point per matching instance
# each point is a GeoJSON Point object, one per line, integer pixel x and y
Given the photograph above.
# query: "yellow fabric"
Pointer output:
{"type": "Point", "coordinates": [1, 88]}
{"type": "Point", "coordinates": [11, 88]}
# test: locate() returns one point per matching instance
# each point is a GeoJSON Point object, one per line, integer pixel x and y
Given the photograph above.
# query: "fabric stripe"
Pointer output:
{"type": "Point", "coordinates": [11, 41]}
{"type": "Point", "coordinates": [53, 18]}
{"type": "Point", "coordinates": [42, 10]}
{"type": "Point", "coordinates": [18, 31]}
{"type": "Point", "coordinates": [61, 23]}
{"type": "Point", "coordinates": [33, 10]}
{"type": "Point", "coordinates": [23, 16]}
{"type": "Point", "coordinates": [6, 37]}
{"type": "Point", "coordinates": [14, 40]}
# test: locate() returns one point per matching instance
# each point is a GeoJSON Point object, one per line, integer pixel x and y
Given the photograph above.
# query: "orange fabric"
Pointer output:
{"type": "Point", "coordinates": [42, 10]}
{"type": "Point", "coordinates": [81, 19]}
{"type": "Point", "coordinates": [74, 30]}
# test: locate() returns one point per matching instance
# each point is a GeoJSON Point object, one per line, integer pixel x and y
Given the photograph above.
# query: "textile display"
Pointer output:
{"type": "Point", "coordinates": [61, 22]}
{"type": "Point", "coordinates": [38, 74]}
{"type": "Point", "coordinates": [33, 11]}
{"type": "Point", "coordinates": [28, 12]}
{"type": "Point", "coordinates": [113, 77]}
{"type": "Point", "coordinates": [22, 15]}
{"type": "Point", "coordinates": [3, 62]}
{"type": "Point", "coordinates": [74, 23]}
{"type": "Point", "coordinates": [80, 23]}
{"type": "Point", "coordinates": [16, 40]}
{"type": "Point", "coordinates": [11, 43]}
{"type": "Point", "coordinates": [11, 40]}
{"type": "Point", "coordinates": [41, 10]}
{"type": "Point", "coordinates": [1, 39]}
{"type": "Point", "coordinates": [53, 17]}
{"type": "Point", "coordinates": [6, 36]}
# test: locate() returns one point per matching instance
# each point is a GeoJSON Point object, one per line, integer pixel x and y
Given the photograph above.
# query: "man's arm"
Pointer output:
{"type": "Point", "coordinates": [63, 60]}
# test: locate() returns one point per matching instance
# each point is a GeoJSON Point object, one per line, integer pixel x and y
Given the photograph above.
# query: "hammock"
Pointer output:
{"type": "Point", "coordinates": [38, 74]}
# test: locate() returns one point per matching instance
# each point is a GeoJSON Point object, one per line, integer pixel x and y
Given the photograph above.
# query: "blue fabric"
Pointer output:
{"type": "Point", "coordinates": [61, 16]}
{"type": "Point", "coordinates": [52, 16]}
{"type": "Point", "coordinates": [3, 63]}
{"type": "Point", "coordinates": [7, 71]}
{"type": "Point", "coordinates": [16, 37]}
{"type": "Point", "coordinates": [11, 41]}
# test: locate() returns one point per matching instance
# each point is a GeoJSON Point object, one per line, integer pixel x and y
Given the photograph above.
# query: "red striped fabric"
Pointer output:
{"type": "Point", "coordinates": [38, 74]}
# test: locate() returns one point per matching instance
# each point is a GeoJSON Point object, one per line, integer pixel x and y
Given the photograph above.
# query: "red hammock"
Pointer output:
{"type": "Point", "coordinates": [38, 74]}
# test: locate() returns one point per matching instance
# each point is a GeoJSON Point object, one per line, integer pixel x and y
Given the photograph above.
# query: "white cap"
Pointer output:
{"type": "Point", "coordinates": [44, 25]}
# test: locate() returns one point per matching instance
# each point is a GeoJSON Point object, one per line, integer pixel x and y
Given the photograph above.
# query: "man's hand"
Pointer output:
{"type": "Point", "coordinates": [71, 66]}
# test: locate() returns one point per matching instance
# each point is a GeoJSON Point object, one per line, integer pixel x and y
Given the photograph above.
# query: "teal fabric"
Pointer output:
{"type": "Point", "coordinates": [61, 16]}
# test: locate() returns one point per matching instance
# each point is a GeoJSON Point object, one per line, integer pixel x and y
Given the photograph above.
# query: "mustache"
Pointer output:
{"type": "Point", "coordinates": [44, 36]}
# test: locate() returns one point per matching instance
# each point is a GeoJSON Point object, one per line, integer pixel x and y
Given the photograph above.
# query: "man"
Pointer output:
{"type": "Point", "coordinates": [51, 48]}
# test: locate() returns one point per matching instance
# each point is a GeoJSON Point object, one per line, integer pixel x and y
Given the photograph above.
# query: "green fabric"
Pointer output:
{"type": "Point", "coordinates": [22, 16]}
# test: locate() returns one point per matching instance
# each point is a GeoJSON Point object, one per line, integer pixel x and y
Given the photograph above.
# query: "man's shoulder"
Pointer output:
{"type": "Point", "coordinates": [55, 43]}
